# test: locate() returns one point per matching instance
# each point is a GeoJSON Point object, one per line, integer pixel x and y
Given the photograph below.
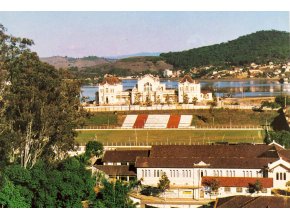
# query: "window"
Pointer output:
{"type": "Point", "coordinates": [284, 176]}
{"type": "Point", "coordinates": [217, 173]}
{"type": "Point", "coordinates": [205, 173]}
{"type": "Point", "coordinates": [214, 173]}
{"type": "Point", "coordinates": [186, 173]}
{"type": "Point", "coordinates": [231, 173]}
{"type": "Point", "coordinates": [154, 173]}
{"type": "Point", "coordinates": [157, 173]}
{"type": "Point", "coordinates": [142, 173]}
{"type": "Point", "coordinates": [170, 173]}
{"type": "Point", "coordinates": [277, 176]}
{"type": "Point", "coordinates": [189, 173]}
{"type": "Point", "coordinates": [145, 173]}
{"type": "Point", "coordinates": [257, 173]}
{"type": "Point", "coordinates": [227, 189]}
{"type": "Point", "coordinates": [234, 173]}
{"type": "Point", "coordinates": [173, 173]}
{"type": "Point", "coordinates": [281, 176]}
{"type": "Point", "coordinates": [107, 90]}
{"type": "Point", "coordinates": [239, 189]}
{"type": "Point", "coordinates": [201, 174]}
{"type": "Point", "coordinates": [251, 174]}
{"type": "Point", "coordinates": [221, 173]}
{"type": "Point", "coordinates": [247, 173]}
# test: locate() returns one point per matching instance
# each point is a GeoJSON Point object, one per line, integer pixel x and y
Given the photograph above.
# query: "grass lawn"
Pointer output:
{"type": "Point", "coordinates": [171, 136]}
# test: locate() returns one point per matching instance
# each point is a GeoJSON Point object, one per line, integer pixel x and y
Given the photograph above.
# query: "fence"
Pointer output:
{"type": "Point", "coordinates": [217, 127]}
{"type": "Point", "coordinates": [162, 107]}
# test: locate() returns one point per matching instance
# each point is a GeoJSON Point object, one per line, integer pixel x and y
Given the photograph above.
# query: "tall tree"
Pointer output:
{"type": "Point", "coordinates": [40, 105]}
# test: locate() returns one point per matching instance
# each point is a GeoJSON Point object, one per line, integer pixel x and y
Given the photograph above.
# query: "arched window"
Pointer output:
{"type": "Point", "coordinates": [284, 176]}
{"type": "Point", "coordinates": [247, 173]}
{"type": "Point", "coordinates": [189, 173]}
{"type": "Point", "coordinates": [170, 173]}
{"type": "Point", "coordinates": [154, 173]}
{"type": "Point", "coordinates": [201, 173]}
{"type": "Point", "coordinates": [277, 176]}
{"type": "Point", "coordinates": [157, 173]}
{"type": "Point", "coordinates": [217, 173]}
{"type": "Point", "coordinates": [142, 173]}
{"type": "Point", "coordinates": [281, 178]}
{"type": "Point", "coordinates": [173, 173]}
{"type": "Point", "coordinates": [186, 173]}
{"type": "Point", "coordinates": [221, 173]}
{"type": "Point", "coordinates": [145, 173]}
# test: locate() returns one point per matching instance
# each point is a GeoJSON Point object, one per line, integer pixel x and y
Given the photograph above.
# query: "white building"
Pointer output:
{"type": "Point", "coordinates": [149, 89]}
{"type": "Point", "coordinates": [189, 91]}
{"type": "Point", "coordinates": [233, 166]}
{"type": "Point", "coordinates": [167, 73]}
{"type": "Point", "coordinates": [111, 92]}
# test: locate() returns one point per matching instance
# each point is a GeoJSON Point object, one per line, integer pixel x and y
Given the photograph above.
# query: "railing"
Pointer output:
{"type": "Point", "coordinates": [216, 127]}
{"type": "Point", "coordinates": [163, 107]}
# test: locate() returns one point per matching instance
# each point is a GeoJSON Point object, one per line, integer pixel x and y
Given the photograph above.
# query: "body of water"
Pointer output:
{"type": "Point", "coordinates": [238, 88]}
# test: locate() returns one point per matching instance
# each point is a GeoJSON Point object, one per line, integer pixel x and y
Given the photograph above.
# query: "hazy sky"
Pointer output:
{"type": "Point", "coordinates": [78, 34]}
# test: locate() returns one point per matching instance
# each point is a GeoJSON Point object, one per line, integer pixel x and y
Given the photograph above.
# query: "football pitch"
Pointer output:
{"type": "Point", "coordinates": [169, 136]}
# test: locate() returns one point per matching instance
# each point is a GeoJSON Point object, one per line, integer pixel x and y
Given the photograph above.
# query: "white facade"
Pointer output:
{"type": "Point", "coordinates": [191, 90]}
{"type": "Point", "coordinates": [149, 89]}
{"type": "Point", "coordinates": [112, 94]}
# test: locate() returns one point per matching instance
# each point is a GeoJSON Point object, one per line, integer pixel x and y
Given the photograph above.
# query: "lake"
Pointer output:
{"type": "Point", "coordinates": [233, 88]}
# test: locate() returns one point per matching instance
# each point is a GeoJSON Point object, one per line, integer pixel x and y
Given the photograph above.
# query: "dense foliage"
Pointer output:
{"type": "Point", "coordinates": [281, 137]}
{"type": "Point", "coordinates": [260, 47]}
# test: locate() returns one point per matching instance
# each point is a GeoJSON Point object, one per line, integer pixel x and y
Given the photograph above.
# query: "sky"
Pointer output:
{"type": "Point", "coordinates": [110, 34]}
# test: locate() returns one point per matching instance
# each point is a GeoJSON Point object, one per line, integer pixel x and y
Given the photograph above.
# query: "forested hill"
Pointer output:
{"type": "Point", "coordinates": [259, 47]}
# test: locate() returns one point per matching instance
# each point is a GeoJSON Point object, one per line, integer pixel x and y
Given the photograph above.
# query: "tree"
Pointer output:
{"type": "Point", "coordinates": [194, 100]}
{"type": "Point", "coordinates": [167, 99]}
{"type": "Point", "coordinates": [255, 187]}
{"type": "Point", "coordinates": [40, 105]}
{"type": "Point", "coordinates": [114, 194]}
{"type": "Point", "coordinates": [281, 137]}
{"type": "Point", "coordinates": [185, 98]}
{"type": "Point", "coordinates": [164, 183]}
{"type": "Point", "coordinates": [213, 185]}
{"type": "Point", "coordinates": [10, 196]}
{"type": "Point", "coordinates": [94, 148]}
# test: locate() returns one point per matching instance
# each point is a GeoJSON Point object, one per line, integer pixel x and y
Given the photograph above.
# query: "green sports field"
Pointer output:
{"type": "Point", "coordinates": [170, 136]}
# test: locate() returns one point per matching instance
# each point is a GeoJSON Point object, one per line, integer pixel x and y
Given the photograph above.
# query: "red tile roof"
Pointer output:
{"type": "Point", "coordinates": [124, 155]}
{"type": "Point", "coordinates": [112, 80]}
{"type": "Point", "coordinates": [188, 79]}
{"type": "Point", "coordinates": [239, 181]}
{"type": "Point", "coordinates": [253, 202]}
{"type": "Point", "coordinates": [113, 170]}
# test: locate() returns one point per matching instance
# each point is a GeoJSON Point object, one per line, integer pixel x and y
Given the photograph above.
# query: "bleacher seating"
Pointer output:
{"type": "Point", "coordinates": [140, 121]}
{"type": "Point", "coordinates": [129, 121]}
{"type": "Point", "coordinates": [173, 121]}
{"type": "Point", "coordinates": [157, 121]}
{"type": "Point", "coordinates": [185, 121]}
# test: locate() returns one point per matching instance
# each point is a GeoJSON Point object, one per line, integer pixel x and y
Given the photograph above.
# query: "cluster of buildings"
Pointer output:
{"type": "Point", "coordinates": [149, 90]}
{"type": "Point", "coordinates": [190, 168]}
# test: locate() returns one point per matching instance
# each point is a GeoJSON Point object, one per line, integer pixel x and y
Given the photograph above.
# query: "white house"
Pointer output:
{"type": "Point", "coordinates": [111, 92]}
{"type": "Point", "coordinates": [234, 166]}
{"type": "Point", "coordinates": [189, 91]}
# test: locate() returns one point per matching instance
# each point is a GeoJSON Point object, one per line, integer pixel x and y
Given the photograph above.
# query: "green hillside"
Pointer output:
{"type": "Point", "coordinates": [260, 47]}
